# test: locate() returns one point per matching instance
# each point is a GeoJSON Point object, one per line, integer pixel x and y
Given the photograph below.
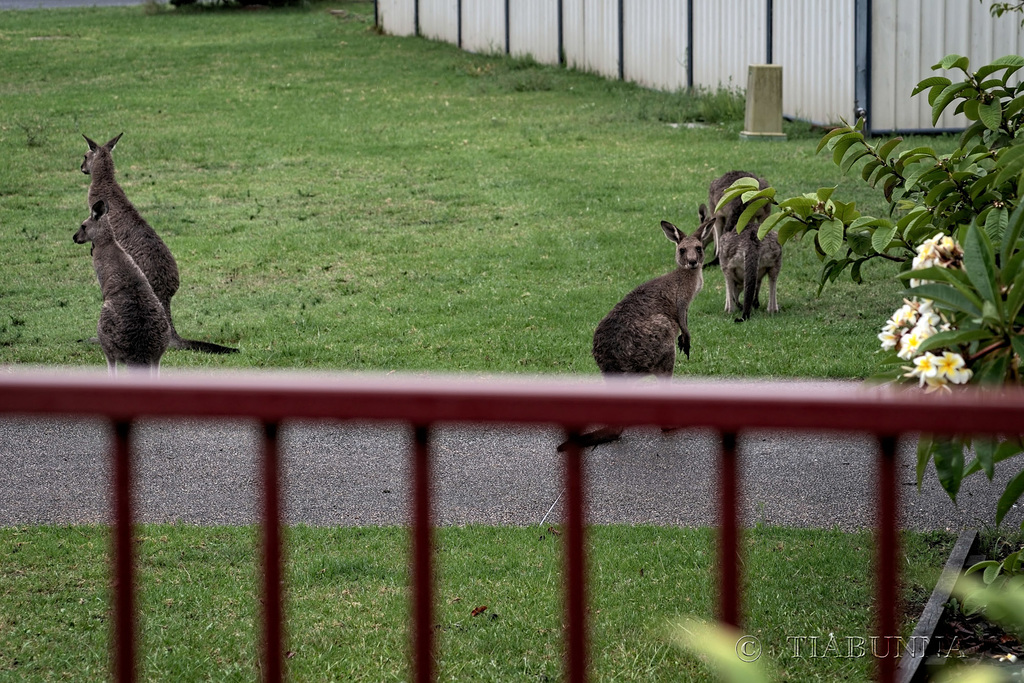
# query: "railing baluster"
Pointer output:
{"type": "Point", "coordinates": [422, 560]}
{"type": "Point", "coordinates": [886, 566]}
{"type": "Point", "coordinates": [273, 632]}
{"type": "Point", "coordinates": [124, 557]}
{"type": "Point", "coordinates": [728, 535]}
{"type": "Point", "coordinates": [575, 565]}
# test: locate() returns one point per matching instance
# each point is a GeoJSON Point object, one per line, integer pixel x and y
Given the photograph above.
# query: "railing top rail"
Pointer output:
{"type": "Point", "coordinates": [723, 405]}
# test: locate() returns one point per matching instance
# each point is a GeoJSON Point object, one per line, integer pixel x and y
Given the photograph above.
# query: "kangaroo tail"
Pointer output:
{"type": "Point", "coordinates": [195, 345]}
{"type": "Point", "coordinates": [594, 438]}
{"type": "Point", "coordinates": [750, 263]}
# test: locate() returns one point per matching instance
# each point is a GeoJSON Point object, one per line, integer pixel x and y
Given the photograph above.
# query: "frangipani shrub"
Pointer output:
{"type": "Point", "coordinates": [954, 225]}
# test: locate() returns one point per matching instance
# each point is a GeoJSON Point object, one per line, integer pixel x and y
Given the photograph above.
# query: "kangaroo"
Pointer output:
{"type": "Point", "coordinates": [640, 334]}
{"type": "Point", "coordinates": [734, 247]}
{"type": "Point", "coordinates": [137, 238]}
{"type": "Point", "coordinates": [133, 327]}
{"type": "Point", "coordinates": [744, 254]}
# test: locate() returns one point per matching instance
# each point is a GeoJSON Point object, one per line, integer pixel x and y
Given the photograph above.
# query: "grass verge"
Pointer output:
{"type": "Point", "coordinates": [343, 200]}
{"type": "Point", "coordinates": [347, 601]}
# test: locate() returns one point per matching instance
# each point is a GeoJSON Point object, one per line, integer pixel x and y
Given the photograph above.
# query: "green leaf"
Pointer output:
{"type": "Point", "coordinates": [1014, 225]}
{"type": "Point", "coordinates": [1011, 495]}
{"type": "Point", "coordinates": [951, 297]}
{"type": "Point", "coordinates": [869, 168]}
{"type": "Point", "coordinates": [859, 242]}
{"type": "Point", "coordinates": [1006, 450]}
{"type": "Point", "coordinates": [985, 448]}
{"type": "Point", "coordinates": [789, 229]}
{"type": "Point", "coordinates": [843, 143]}
{"type": "Point", "coordinates": [852, 159]}
{"type": "Point", "coordinates": [981, 566]}
{"type": "Point", "coordinates": [831, 134]}
{"type": "Point", "coordinates": [979, 262]}
{"type": "Point", "coordinates": [929, 82]}
{"type": "Point", "coordinates": [991, 114]}
{"type": "Point", "coordinates": [952, 338]}
{"type": "Point", "coordinates": [802, 206]}
{"type": "Point", "coordinates": [952, 61]}
{"type": "Point", "coordinates": [1015, 301]}
{"type": "Point", "coordinates": [886, 149]}
{"type": "Point", "coordinates": [992, 370]}
{"type": "Point", "coordinates": [995, 224]}
{"type": "Point", "coordinates": [735, 190]}
{"type": "Point", "coordinates": [1012, 268]}
{"type": "Point", "coordinates": [749, 212]}
{"type": "Point", "coordinates": [769, 223]}
{"type": "Point", "coordinates": [949, 465]}
{"type": "Point", "coordinates": [882, 238]}
{"type": "Point", "coordinates": [990, 573]}
{"type": "Point", "coordinates": [925, 446]}
{"type": "Point", "coordinates": [971, 108]}
{"type": "Point", "coordinates": [972, 131]}
{"type": "Point", "coordinates": [825, 193]}
{"type": "Point", "coordinates": [1009, 60]}
{"type": "Point", "coordinates": [1010, 162]}
{"type": "Point", "coordinates": [830, 236]}
{"type": "Point", "coordinates": [943, 100]}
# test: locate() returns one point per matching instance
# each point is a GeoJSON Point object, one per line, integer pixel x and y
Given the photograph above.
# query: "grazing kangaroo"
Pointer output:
{"type": "Point", "coordinates": [640, 334]}
{"type": "Point", "coordinates": [133, 328]}
{"type": "Point", "coordinates": [744, 258]}
{"type": "Point", "coordinates": [735, 247]}
{"type": "Point", "coordinates": [137, 238]}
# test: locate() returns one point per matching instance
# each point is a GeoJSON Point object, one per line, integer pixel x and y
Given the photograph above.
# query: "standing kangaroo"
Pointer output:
{"type": "Point", "coordinates": [137, 238]}
{"type": "Point", "coordinates": [746, 258]}
{"type": "Point", "coordinates": [133, 327]}
{"type": "Point", "coordinates": [734, 248]}
{"type": "Point", "coordinates": [640, 334]}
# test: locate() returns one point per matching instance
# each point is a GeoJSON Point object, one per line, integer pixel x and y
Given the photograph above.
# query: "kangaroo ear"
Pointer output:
{"type": "Point", "coordinates": [99, 209]}
{"type": "Point", "coordinates": [702, 211]}
{"type": "Point", "coordinates": [672, 232]}
{"type": "Point", "coordinates": [113, 143]}
{"type": "Point", "coordinates": [92, 145]}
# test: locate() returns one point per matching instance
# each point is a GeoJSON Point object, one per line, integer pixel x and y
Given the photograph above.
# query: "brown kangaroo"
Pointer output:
{"type": "Point", "coordinates": [640, 334]}
{"type": "Point", "coordinates": [745, 256]}
{"type": "Point", "coordinates": [734, 247]}
{"type": "Point", "coordinates": [137, 238]}
{"type": "Point", "coordinates": [133, 328]}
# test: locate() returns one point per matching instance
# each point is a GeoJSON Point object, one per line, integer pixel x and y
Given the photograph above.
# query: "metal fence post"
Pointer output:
{"type": "Point", "coordinates": [273, 613]}
{"type": "Point", "coordinates": [124, 557]}
{"type": "Point", "coordinates": [728, 535]}
{"type": "Point", "coordinates": [422, 560]}
{"type": "Point", "coordinates": [575, 564]}
{"type": "Point", "coordinates": [886, 566]}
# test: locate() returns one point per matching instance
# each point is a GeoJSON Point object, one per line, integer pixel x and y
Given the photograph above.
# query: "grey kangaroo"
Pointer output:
{"type": "Point", "coordinates": [133, 328]}
{"type": "Point", "coordinates": [640, 334]}
{"type": "Point", "coordinates": [744, 258]}
{"type": "Point", "coordinates": [137, 238]}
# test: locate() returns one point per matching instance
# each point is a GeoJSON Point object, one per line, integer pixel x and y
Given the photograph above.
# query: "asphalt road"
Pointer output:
{"type": "Point", "coordinates": [196, 472]}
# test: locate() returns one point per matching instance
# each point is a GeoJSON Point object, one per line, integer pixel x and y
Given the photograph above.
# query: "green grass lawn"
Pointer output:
{"type": "Point", "coordinates": [337, 199]}
{"type": "Point", "coordinates": [347, 602]}
{"type": "Point", "coordinates": [343, 200]}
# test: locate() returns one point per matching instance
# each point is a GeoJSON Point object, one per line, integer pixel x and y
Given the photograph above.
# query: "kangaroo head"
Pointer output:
{"type": "Point", "coordinates": [689, 250]}
{"type": "Point", "coordinates": [92, 228]}
{"type": "Point", "coordinates": [96, 150]}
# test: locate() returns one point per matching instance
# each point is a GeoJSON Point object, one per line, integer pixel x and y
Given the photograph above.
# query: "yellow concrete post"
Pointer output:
{"type": "Point", "coordinates": [763, 120]}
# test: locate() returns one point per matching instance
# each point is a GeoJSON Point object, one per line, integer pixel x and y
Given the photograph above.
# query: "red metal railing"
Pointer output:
{"type": "Point", "coordinates": [423, 402]}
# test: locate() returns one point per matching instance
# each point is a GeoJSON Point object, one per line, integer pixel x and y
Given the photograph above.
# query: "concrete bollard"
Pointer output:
{"type": "Point", "coordinates": [763, 119]}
